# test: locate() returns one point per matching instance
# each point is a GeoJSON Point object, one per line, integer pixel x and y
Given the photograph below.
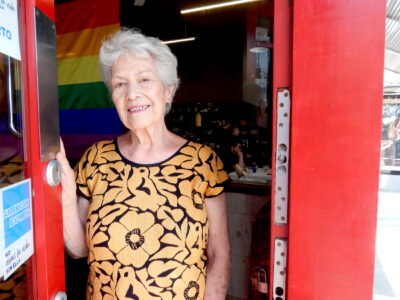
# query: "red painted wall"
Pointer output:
{"type": "Point", "coordinates": [338, 50]}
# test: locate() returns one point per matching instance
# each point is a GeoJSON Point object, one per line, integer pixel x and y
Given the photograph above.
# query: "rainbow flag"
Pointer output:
{"type": "Point", "coordinates": [87, 113]}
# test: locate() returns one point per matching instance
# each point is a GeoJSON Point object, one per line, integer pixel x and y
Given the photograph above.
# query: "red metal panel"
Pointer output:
{"type": "Point", "coordinates": [48, 268]}
{"type": "Point", "coordinates": [47, 7]}
{"type": "Point", "coordinates": [282, 73]}
{"type": "Point", "coordinates": [282, 66]}
{"type": "Point", "coordinates": [338, 50]}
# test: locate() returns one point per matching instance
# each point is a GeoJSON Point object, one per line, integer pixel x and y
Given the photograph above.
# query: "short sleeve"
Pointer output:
{"type": "Point", "coordinates": [83, 170]}
{"type": "Point", "coordinates": [217, 177]}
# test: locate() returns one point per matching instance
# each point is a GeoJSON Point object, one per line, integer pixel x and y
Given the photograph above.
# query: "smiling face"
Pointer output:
{"type": "Point", "coordinates": [138, 92]}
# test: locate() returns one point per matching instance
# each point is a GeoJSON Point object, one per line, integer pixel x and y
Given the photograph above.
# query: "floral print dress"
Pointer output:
{"type": "Point", "coordinates": [147, 227]}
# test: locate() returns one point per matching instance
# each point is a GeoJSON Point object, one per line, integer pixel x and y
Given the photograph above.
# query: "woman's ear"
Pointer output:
{"type": "Point", "coordinates": [170, 92]}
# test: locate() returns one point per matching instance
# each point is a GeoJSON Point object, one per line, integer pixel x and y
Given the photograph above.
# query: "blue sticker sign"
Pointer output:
{"type": "Point", "coordinates": [17, 213]}
{"type": "Point", "coordinates": [16, 235]}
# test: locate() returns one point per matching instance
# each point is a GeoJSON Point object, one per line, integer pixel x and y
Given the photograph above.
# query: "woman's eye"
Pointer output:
{"type": "Point", "coordinates": [119, 84]}
{"type": "Point", "coordinates": [144, 80]}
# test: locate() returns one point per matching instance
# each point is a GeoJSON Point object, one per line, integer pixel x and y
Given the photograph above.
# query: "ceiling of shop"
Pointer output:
{"type": "Point", "coordinates": [392, 49]}
{"type": "Point", "coordinates": [174, 23]}
{"type": "Point", "coordinates": [162, 18]}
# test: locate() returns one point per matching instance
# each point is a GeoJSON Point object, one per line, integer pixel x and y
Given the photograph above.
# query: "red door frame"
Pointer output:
{"type": "Point", "coordinates": [337, 81]}
{"type": "Point", "coordinates": [47, 270]}
{"type": "Point", "coordinates": [282, 79]}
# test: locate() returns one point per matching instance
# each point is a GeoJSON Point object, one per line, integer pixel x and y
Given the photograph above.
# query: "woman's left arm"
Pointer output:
{"type": "Point", "coordinates": [218, 249]}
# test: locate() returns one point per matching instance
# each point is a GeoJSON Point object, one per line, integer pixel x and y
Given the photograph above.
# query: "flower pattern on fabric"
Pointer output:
{"type": "Point", "coordinates": [134, 238]}
{"type": "Point", "coordinates": [147, 225]}
{"type": "Point", "coordinates": [191, 285]}
{"type": "Point", "coordinates": [192, 197]}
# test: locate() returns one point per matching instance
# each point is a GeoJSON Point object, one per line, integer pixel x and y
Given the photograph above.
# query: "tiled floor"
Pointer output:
{"type": "Point", "coordinates": [387, 269]}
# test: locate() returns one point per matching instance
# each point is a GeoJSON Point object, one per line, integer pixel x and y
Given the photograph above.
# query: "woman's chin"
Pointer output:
{"type": "Point", "coordinates": [144, 122]}
{"type": "Point", "coordinates": [140, 126]}
{"type": "Point", "coordinates": [137, 127]}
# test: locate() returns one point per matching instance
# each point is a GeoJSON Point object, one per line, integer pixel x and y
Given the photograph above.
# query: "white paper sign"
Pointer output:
{"type": "Point", "coordinates": [16, 226]}
{"type": "Point", "coordinates": [9, 34]}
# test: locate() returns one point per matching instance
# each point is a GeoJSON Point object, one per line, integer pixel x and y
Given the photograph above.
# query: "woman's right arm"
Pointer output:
{"type": "Point", "coordinates": [74, 210]}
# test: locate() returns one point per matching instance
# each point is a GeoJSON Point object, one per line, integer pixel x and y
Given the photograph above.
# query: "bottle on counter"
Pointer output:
{"type": "Point", "coordinates": [197, 117]}
{"type": "Point", "coordinates": [254, 167]}
{"type": "Point", "coordinates": [197, 130]}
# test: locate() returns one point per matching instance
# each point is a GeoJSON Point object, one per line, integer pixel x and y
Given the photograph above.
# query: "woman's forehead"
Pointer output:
{"type": "Point", "coordinates": [134, 64]}
{"type": "Point", "coordinates": [135, 57]}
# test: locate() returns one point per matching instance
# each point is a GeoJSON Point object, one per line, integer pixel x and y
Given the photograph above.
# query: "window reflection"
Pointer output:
{"type": "Point", "coordinates": [390, 146]}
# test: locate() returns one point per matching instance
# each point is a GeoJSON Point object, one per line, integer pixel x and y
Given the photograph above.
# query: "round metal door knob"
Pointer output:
{"type": "Point", "coordinates": [60, 296]}
{"type": "Point", "coordinates": [53, 173]}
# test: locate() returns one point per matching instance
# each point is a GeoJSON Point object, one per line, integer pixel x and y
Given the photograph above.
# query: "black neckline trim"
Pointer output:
{"type": "Point", "coordinates": [131, 162]}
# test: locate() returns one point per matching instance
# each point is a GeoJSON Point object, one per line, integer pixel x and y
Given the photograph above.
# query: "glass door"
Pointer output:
{"type": "Point", "coordinates": [12, 157]}
{"type": "Point", "coordinates": [11, 142]}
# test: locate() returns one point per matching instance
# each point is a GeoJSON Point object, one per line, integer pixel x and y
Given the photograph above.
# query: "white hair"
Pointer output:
{"type": "Point", "coordinates": [133, 42]}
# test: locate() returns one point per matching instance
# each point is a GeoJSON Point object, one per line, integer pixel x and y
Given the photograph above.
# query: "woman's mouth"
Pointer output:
{"type": "Point", "coordinates": [136, 109]}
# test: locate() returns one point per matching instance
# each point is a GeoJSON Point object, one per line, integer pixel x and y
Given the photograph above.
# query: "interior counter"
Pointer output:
{"type": "Point", "coordinates": [258, 183]}
{"type": "Point", "coordinates": [247, 197]}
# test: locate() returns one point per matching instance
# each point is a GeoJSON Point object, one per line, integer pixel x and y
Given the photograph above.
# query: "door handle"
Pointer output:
{"type": "Point", "coordinates": [10, 106]}
{"type": "Point", "coordinates": [53, 173]}
{"type": "Point", "coordinates": [60, 296]}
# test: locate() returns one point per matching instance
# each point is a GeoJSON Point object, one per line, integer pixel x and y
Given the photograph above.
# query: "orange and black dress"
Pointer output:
{"type": "Point", "coordinates": [147, 227]}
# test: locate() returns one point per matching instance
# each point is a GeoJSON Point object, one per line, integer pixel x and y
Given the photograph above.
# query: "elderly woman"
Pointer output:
{"type": "Point", "coordinates": [147, 208]}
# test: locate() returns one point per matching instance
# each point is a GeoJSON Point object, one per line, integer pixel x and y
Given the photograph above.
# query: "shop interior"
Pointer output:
{"type": "Point", "coordinates": [224, 101]}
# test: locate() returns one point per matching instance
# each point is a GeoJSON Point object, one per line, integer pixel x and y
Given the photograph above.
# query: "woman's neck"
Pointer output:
{"type": "Point", "coordinates": [148, 137]}
{"type": "Point", "coordinates": [149, 145]}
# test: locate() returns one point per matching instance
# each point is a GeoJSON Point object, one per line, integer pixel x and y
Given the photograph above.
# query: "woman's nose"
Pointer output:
{"type": "Point", "coordinates": [133, 91]}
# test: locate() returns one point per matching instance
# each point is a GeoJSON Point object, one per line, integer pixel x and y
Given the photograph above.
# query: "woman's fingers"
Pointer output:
{"type": "Point", "coordinates": [68, 176]}
{"type": "Point", "coordinates": [62, 159]}
{"type": "Point", "coordinates": [62, 148]}
{"type": "Point", "coordinates": [68, 173]}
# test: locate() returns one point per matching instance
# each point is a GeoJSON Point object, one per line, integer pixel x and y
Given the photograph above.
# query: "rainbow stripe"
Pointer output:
{"type": "Point", "coordinates": [87, 113]}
